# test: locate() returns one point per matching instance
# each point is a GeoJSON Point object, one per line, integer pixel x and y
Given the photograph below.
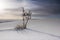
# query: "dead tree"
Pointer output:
{"type": "Point", "coordinates": [26, 16]}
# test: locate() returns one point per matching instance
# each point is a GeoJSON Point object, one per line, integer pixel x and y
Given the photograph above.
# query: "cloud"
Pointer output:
{"type": "Point", "coordinates": [46, 7]}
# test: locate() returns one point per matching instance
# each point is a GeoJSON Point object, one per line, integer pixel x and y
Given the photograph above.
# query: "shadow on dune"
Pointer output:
{"type": "Point", "coordinates": [43, 32]}
{"type": "Point", "coordinates": [4, 21]}
{"type": "Point", "coordinates": [7, 30]}
{"type": "Point", "coordinates": [30, 30]}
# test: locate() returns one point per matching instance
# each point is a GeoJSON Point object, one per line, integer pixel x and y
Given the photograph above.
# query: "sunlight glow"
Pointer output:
{"type": "Point", "coordinates": [3, 5]}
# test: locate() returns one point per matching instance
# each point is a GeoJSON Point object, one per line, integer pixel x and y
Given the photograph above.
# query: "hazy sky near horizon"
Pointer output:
{"type": "Point", "coordinates": [38, 7]}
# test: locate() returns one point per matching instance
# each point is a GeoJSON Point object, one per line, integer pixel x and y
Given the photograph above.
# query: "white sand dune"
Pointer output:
{"type": "Point", "coordinates": [43, 29]}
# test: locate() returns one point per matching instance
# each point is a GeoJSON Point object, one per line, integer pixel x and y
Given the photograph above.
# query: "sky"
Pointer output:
{"type": "Point", "coordinates": [11, 9]}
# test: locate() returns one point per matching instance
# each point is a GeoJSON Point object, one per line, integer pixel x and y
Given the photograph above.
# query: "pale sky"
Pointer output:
{"type": "Point", "coordinates": [14, 5]}
{"type": "Point", "coordinates": [9, 9]}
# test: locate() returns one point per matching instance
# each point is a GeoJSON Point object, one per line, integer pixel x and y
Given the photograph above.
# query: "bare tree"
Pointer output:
{"type": "Point", "coordinates": [26, 17]}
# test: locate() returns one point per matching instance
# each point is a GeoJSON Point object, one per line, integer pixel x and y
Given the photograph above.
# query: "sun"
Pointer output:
{"type": "Point", "coordinates": [2, 5]}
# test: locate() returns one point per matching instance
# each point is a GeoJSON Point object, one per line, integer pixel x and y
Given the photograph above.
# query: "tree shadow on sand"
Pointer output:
{"type": "Point", "coordinates": [30, 30]}
{"type": "Point", "coordinates": [43, 32]}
